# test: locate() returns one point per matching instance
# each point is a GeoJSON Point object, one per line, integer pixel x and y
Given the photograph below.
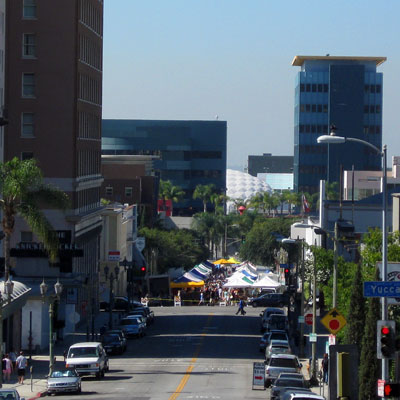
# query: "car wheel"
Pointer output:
{"type": "Point", "coordinates": [107, 368]}
{"type": "Point", "coordinates": [98, 375]}
{"type": "Point", "coordinates": [255, 304]}
{"type": "Point", "coordinates": [79, 389]}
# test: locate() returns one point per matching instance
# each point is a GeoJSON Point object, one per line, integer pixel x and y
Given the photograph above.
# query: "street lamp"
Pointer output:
{"type": "Point", "coordinates": [52, 299]}
{"type": "Point", "coordinates": [8, 290]}
{"type": "Point", "coordinates": [333, 139]}
{"type": "Point", "coordinates": [128, 267]}
{"type": "Point", "coordinates": [111, 277]}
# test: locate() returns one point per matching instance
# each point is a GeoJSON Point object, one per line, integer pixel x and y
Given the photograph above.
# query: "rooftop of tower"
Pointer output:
{"type": "Point", "coordinates": [299, 60]}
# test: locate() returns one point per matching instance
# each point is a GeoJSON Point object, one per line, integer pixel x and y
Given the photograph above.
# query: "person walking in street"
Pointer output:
{"type": "Point", "coordinates": [241, 308]}
{"type": "Point", "coordinates": [7, 368]}
{"type": "Point", "coordinates": [201, 298]}
{"type": "Point", "coordinates": [21, 365]}
{"type": "Point", "coordinates": [325, 368]}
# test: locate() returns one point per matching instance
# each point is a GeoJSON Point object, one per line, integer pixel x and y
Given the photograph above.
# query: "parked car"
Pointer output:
{"type": "Point", "coordinates": [282, 384]}
{"type": "Point", "coordinates": [272, 335]}
{"type": "Point", "coordinates": [266, 315]}
{"type": "Point", "coordinates": [112, 343]}
{"type": "Point", "coordinates": [150, 314]}
{"type": "Point", "coordinates": [139, 312]}
{"type": "Point", "coordinates": [277, 321]}
{"type": "Point", "coordinates": [302, 394]}
{"type": "Point", "coordinates": [65, 380]}
{"type": "Point", "coordinates": [88, 358]}
{"type": "Point", "coordinates": [277, 347]}
{"type": "Point", "coordinates": [11, 394]}
{"type": "Point", "coordinates": [121, 335]}
{"type": "Point", "coordinates": [269, 300]}
{"type": "Point", "coordinates": [280, 363]}
{"type": "Point", "coordinates": [132, 327]}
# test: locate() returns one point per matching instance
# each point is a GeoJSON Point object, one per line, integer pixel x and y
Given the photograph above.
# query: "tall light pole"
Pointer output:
{"type": "Point", "coordinates": [52, 299]}
{"type": "Point", "coordinates": [111, 277]}
{"type": "Point", "coordinates": [314, 319]}
{"type": "Point", "coordinates": [333, 139]}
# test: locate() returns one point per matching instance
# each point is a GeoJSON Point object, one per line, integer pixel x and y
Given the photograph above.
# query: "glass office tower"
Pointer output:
{"type": "Point", "coordinates": [345, 92]}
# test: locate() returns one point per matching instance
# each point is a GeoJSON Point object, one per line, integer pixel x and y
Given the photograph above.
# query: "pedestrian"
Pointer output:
{"type": "Point", "coordinates": [325, 367]}
{"type": "Point", "coordinates": [7, 367]}
{"type": "Point", "coordinates": [241, 308]}
{"type": "Point", "coordinates": [21, 365]}
{"type": "Point", "coordinates": [201, 298]}
{"type": "Point", "coordinates": [13, 358]}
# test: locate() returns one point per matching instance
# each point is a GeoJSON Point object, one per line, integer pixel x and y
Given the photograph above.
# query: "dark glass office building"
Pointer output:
{"type": "Point", "coordinates": [191, 152]}
{"type": "Point", "coordinates": [345, 92]}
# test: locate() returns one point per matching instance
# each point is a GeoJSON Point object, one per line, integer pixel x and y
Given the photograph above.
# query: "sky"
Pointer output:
{"type": "Point", "coordinates": [231, 60]}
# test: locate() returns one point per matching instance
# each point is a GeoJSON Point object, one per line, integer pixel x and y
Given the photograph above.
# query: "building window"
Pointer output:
{"type": "Point", "coordinates": [29, 45]}
{"type": "Point", "coordinates": [28, 85]}
{"type": "Point", "coordinates": [28, 124]}
{"type": "Point", "coordinates": [128, 192]}
{"type": "Point", "coordinates": [26, 155]}
{"type": "Point", "coordinates": [26, 236]}
{"type": "Point", "coordinates": [109, 191]}
{"type": "Point", "coordinates": [29, 10]}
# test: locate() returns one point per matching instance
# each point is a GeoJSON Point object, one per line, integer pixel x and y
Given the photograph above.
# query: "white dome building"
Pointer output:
{"type": "Point", "coordinates": [241, 185]}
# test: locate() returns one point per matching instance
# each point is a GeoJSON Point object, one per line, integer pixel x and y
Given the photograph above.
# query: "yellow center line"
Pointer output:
{"type": "Point", "coordinates": [189, 370]}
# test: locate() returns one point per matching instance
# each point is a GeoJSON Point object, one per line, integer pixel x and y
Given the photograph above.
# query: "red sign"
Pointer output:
{"type": "Point", "coordinates": [165, 206]}
{"type": "Point", "coordinates": [308, 319]}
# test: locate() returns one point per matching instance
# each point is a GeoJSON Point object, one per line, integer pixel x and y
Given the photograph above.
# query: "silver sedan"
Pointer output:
{"type": "Point", "coordinates": [66, 380]}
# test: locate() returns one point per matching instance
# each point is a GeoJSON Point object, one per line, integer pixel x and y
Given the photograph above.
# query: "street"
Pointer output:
{"type": "Point", "coordinates": [189, 353]}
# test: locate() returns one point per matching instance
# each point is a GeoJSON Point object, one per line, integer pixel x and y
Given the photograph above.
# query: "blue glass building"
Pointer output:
{"type": "Point", "coordinates": [191, 152]}
{"type": "Point", "coordinates": [345, 92]}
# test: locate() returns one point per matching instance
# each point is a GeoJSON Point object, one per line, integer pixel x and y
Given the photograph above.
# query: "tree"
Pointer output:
{"type": "Point", "coordinates": [356, 315]}
{"type": "Point", "coordinates": [204, 192]}
{"type": "Point", "coordinates": [218, 200]}
{"type": "Point", "coordinates": [170, 192]}
{"type": "Point", "coordinates": [291, 198]}
{"type": "Point", "coordinates": [332, 190]}
{"type": "Point", "coordinates": [369, 369]}
{"type": "Point", "coordinates": [24, 194]}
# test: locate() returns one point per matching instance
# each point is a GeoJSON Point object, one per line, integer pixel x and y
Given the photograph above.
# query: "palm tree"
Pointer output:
{"type": "Point", "coordinates": [23, 192]}
{"type": "Point", "coordinates": [218, 199]}
{"type": "Point", "coordinates": [204, 192]}
{"type": "Point", "coordinates": [170, 192]}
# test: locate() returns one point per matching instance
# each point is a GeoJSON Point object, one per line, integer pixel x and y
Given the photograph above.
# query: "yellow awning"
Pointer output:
{"type": "Point", "coordinates": [233, 260]}
{"type": "Point", "coordinates": [181, 285]}
{"type": "Point", "coordinates": [221, 261]}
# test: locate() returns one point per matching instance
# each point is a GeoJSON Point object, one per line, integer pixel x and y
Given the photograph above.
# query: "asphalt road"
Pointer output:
{"type": "Point", "coordinates": [189, 353]}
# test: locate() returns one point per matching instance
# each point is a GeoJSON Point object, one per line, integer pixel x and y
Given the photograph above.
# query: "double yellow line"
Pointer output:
{"type": "Point", "coordinates": [189, 370]}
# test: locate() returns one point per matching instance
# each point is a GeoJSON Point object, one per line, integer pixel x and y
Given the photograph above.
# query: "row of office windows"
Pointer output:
{"type": "Point", "coordinates": [372, 109]}
{"type": "Point", "coordinates": [313, 128]}
{"type": "Point", "coordinates": [311, 149]}
{"type": "Point", "coordinates": [191, 173]}
{"type": "Point", "coordinates": [90, 52]}
{"type": "Point", "coordinates": [372, 88]}
{"type": "Point", "coordinates": [89, 125]}
{"type": "Point", "coordinates": [89, 89]}
{"type": "Point", "coordinates": [89, 162]}
{"type": "Point", "coordinates": [128, 191]}
{"type": "Point", "coordinates": [88, 199]}
{"type": "Point", "coordinates": [314, 108]}
{"type": "Point", "coordinates": [206, 173]}
{"type": "Point", "coordinates": [312, 169]}
{"type": "Point", "coordinates": [375, 129]}
{"type": "Point", "coordinates": [314, 87]}
{"type": "Point", "coordinates": [90, 16]}
{"type": "Point", "coordinates": [131, 152]}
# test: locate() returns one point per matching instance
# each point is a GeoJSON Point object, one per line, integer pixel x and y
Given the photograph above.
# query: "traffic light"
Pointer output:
{"type": "Point", "coordinates": [142, 270]}
{"type": "Point", "coordinates": [287, 276]}
{"type": "Point", "coordinates": [386, 342]}
{"type": "Point", "coordinates": [243, 239]}
{"type": "Point", "coordinates": [392, 389]}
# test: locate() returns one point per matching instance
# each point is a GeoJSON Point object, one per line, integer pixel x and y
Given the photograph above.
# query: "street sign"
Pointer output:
{"type": "Point", "coordinates": [332, 340]}
{"type": "Point", "coordinates": [334, 321]}
{"type": "Point", "coordinates": [113, 255]}
{"type": "Point", "coordinates": [313, 337]}
{"type": "Point", "coordinates": [301, 319]}
{"type": "Point", "coordinates": [259, 374]}
{"type": "Point", "coordinates": [382, 289]}
{"type": "Point", "coordinates": [381, 388]}
{"type": "Point", "coordinates": [308, 319]}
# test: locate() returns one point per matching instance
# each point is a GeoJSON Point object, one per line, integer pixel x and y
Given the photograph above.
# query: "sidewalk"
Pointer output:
{"type": "Point", "coordinates": [37, 386]}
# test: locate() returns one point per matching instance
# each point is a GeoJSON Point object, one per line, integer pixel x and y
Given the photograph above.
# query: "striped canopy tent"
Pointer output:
{"type": "Point", "coordinates": [194, 278]}
{"type": "Point", "coordinates": [238, 281]}
{"type": "Point", "coordinates": [266, 282]}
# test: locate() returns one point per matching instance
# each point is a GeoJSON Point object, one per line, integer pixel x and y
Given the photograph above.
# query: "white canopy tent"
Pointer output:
{"type": "Point", "coordinates": [266, 282]}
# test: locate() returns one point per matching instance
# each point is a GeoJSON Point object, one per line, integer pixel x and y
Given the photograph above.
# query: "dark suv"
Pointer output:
{"type": "Point", "coordinates": [269, 300]}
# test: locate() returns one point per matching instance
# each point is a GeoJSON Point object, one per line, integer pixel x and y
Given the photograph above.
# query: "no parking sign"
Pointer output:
{"type": "Point", "coordinates": [258, 374]}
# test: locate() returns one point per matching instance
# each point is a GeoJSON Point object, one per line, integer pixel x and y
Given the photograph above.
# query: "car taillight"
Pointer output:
{"type": "Point", "coordinates": [67, 366]}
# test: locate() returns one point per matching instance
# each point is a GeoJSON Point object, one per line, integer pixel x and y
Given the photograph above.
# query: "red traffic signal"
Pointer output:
{"type": "Point", "coordinates": [385, 330]}
{"type": "Point", "coordinates": [286, 270]}
{"type": "Point", "coordinates": [392, 389]}
{"type": "Point", "coordinates": [143, 270]}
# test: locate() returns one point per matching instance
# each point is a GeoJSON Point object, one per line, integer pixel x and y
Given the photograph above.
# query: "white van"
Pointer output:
{"type": "Point", "coordinates": [88, 358]}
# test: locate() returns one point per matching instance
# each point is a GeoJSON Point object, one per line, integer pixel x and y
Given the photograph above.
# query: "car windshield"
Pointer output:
{"type": "Point", "coordinates": [283, 362]}
{"type": "Point", "coordinates": [278, 336]}
{"type": "Point", "coordinates": [61, 374]}
{"type": "Point", "coordinates": [289, 382]}
{"type": "Point", "coordinates": [131, 321]}
{"type": "Point", "coordinates": [9, 395]}
{"type": "Point", "coordinates": [110, 338]}
{"type": "Point", "coordinates": [81, 352]}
